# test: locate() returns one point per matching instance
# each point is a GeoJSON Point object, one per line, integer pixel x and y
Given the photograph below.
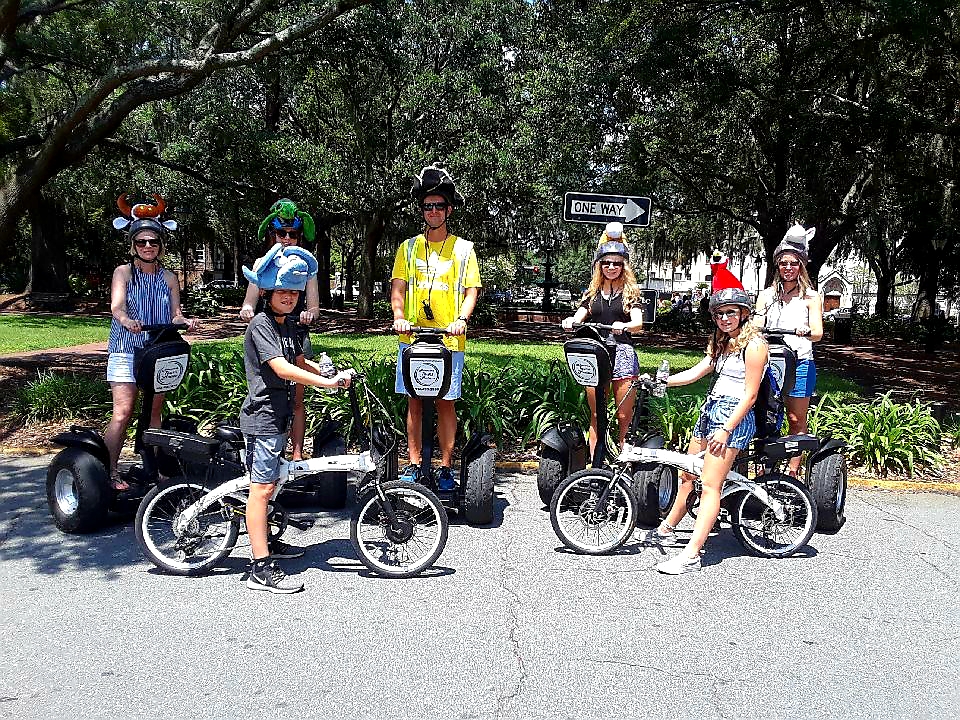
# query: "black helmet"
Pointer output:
{"type": "Point", "coordinates": [730, 296]}
{"type": "Point", "coordinates": [146, 224]}
{"type": "Point", "coordinates": [435, 180]}
{"type": "Point", "coordinates": [611, 248]}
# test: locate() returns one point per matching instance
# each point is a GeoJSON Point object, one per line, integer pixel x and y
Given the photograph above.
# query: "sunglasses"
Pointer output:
{"type": "Point", "coordinates": [154, 242]}
{"type": "Point", "coordinates": [611, 263]}
{"type": "Point", "coordinates": [284, 232]}
{"type": "Point", "coordinates": [721, 314]}
{"type": "Point", "coordinates": [788, 264]}
{"type": "Point", "coordinates": [427, 207]}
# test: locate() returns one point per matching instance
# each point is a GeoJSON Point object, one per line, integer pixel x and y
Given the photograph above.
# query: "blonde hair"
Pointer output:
{"type": "Point", "coordinates": [719, 343]}
{"type": "Point", "coordinates": [803, 277]}
{"type": "Point", "coordinates": [628, 280]}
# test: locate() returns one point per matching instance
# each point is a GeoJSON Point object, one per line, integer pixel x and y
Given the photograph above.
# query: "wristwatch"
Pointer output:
{"type": "Point", "coordinates": [461, 317]}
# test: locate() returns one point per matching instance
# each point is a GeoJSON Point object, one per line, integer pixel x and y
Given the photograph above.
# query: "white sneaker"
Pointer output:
{"type": "Point", "coordinates": [679, 564]}
{"type": "Point", "coordinates": [655, 537]}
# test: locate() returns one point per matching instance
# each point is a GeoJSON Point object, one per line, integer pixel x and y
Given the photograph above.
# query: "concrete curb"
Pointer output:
{"type": "Point", "coordinates": [864, 483]}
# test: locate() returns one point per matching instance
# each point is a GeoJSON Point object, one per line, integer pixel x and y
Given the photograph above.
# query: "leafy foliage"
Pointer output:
{"type": "Point", "coordinates": [200, 302]}
{"type": "Point", "coordinates": [677, 416]}
{"type": "Point", "coordinates": [62, 396]}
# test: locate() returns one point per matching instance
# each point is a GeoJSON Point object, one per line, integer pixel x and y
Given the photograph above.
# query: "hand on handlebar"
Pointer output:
{"type": "Point", "coordinates": [567, 323]}
{"type": "Point", "coordinates": [402, 326]}
{"type": "Point", "coordinates": [344, 377]}
{"type": "Point", "coordinates": [132, 325]}
{"type": "Point", "coordinates": [307, 317]}
{"type": "Point", "coordinates": [802, 330]}
{"type": "Point", "coordinates": [618, 328]}
{"type": "Point", "coordinates": [457, 327]}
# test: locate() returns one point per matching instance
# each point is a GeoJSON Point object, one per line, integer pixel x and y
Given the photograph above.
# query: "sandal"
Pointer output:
{"type": "Point", "coordinates": [119, 484]}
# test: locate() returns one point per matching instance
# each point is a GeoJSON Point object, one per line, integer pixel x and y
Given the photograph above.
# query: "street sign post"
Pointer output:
{"type": "Point", "coordinates": [595, 208]}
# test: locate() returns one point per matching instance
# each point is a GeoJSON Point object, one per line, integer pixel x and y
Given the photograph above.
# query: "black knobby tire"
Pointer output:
{"type": "Point", "coordinates": [761, 532]}
{"type": "Point", "coordinates": [655, 488]}
{"type": "Point", "coordinates": [581, 524]}
{"type": "Point", "coordinates": [202, 543]}
{"type": "Point", "coordinates": [332, 486]}
{"type": "Point", "coordinates": [828, 485]}
{"type": "Point", "coordinates": [78, 491]}
{"type": "Point", "coordinates": [422, 534]}
{"type": "Point", "coordinates": [478, 489]}
{"type": "Point", "coordinates": [549, 474]}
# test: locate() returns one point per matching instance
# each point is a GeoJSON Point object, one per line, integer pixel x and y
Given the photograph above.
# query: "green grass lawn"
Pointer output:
{"type": "Point", "coordinates": [20, 333]}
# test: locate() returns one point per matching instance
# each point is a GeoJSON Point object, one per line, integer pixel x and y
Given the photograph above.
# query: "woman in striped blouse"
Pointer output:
{"type": "Point", "coordinates": [142, 293]}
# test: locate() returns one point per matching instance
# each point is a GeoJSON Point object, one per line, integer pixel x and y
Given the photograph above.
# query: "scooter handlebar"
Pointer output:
{"type": "Point", "coordinates": [163, 326]}
{"type": "Point", "coordinates": [778, 331]}
{"type": "Point", "coordinates": [597, 326]}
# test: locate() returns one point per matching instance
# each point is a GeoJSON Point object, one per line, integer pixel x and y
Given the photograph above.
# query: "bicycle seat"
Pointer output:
{"type": "Point", "coordinates": [227, 433]}
{"type": "Point", "coordinates": [787, 446]}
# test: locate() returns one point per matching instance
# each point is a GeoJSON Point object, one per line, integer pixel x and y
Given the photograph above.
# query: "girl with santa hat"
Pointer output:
{"type": "Point", "coordinates": [737, 355]}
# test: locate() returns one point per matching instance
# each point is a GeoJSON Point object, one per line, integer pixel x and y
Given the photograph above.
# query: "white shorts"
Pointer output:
{"type": "Point", "coordinates": [120, 368]}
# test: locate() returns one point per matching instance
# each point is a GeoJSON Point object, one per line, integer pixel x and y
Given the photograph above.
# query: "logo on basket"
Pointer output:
{"type": "Point", "coordinates": [426, 376]}
{"type": "Point", "coordinates": [584, 368]}
{"type": "Point", "coordinates": [169, 372]}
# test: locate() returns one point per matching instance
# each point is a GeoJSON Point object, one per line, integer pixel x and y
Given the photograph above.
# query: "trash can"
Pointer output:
{"type": "Point", "coordinates": [843, 329]}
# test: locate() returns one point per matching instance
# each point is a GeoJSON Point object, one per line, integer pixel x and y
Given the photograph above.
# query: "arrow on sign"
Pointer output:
{"type": "Point", "coordinates": [632, 211]}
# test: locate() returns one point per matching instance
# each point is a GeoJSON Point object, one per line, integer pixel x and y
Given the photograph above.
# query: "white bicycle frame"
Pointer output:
{"type": "Point", "coordinates": [357, 465]}
{"type": "Point", "coordinates": [693, 464]}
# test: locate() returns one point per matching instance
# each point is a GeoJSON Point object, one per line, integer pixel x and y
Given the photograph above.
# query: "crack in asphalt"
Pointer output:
{"type": "Point", "coordinates": [514, 609]}
{"type": "Point", "coordinates": [902, 521]}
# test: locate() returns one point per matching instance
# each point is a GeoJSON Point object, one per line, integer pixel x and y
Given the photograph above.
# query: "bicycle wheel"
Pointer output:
{"type": "Point", "coordinates": [760, 531]}
{"type": "Point", "coordinates": [585, 525]}
{"type": "Point", "coordinates": [200, 545]}
{"type": "Point", "coordinates": [415, 539]}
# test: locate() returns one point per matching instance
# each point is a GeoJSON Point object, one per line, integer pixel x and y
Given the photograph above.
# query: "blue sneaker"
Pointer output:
{"type": "Point", "coordinates": [446, 480]}
{"type": "Point", "coordinates": [411, 473]}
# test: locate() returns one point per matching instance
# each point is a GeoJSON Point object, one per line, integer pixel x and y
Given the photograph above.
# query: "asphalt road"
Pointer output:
{"type": "Point", "coordinates": [866, 624]}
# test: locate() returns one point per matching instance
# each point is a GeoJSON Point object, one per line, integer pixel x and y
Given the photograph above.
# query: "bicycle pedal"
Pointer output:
{"type": "Point", "coordinates": [299, 524]}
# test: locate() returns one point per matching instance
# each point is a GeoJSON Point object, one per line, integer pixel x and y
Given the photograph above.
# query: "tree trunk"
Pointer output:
{"type": "Point", "coordinates": [48, 260]}
{"type": "Point", "coordinates": [322, 254]}
{"type": "Point", "coordinates": [373, 233]}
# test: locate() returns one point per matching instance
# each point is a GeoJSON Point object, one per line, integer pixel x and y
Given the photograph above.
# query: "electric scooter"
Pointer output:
{"type": "Point", "coordinates": [426, 366]}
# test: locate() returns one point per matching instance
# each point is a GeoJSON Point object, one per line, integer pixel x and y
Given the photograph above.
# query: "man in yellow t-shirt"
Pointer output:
{"type": "Point", "coordinates": [435, 283]}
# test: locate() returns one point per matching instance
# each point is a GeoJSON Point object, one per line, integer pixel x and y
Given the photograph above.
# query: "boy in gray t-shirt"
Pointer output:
{"type": "Point", "coordinates": [274, 362]}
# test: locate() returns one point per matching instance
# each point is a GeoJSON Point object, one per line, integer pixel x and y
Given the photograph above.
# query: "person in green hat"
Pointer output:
{"type": "Point", "coordinates": [290, 226]}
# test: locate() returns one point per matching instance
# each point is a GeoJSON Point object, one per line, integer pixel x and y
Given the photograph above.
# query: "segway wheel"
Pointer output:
{"type": "Point", "coordinates": [332, 486]}
{"type": "Point", "coordinates": [78, 491]}
{"type": "Point", "coordinates": [549, 474]}
{"type": "Point", "coordinates": [655, 488]}
{"type": "Point", "coordinates": [828, 485]}
{"type": "Point", "coordinates": [478, 489]}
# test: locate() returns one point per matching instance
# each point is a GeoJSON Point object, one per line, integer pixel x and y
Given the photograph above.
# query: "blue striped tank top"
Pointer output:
{"type": "Point", "coordinates": [148, 300]}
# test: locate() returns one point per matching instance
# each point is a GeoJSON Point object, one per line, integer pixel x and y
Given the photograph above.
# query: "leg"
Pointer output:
{"type": "Point", "coordinates": [679, 508]}
{"type": "Point", "coordinates": [592, 404]}
{"type": "Point", "coordinates": [621, 390]}
{"type": "Point", "coordinates": [797, 421]}
{"type": "Point", "coordinates": [715, 471]}
{"type": "Point", "coordinates": [299, 427]}
{"type": "Point", "coordinates": [124, 398]}
{"type": "Point", "coordinates": [157, 410]}
{"type": "Point", "coordinates": [256, 517]}
{"type": "Point", "coordinates": [446, 430]}
{"type": "Point", "coordinates": [414, 430]}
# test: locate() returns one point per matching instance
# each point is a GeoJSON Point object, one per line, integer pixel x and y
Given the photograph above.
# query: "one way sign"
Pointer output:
{"type": "Point", "coordinates": [594, 208]}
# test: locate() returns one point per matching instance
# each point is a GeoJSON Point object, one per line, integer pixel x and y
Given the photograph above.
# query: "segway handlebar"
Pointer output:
{"type": "Point", "coordinates": [163, 326]}
{"type": "Point", "coordinates": [598, 326]}
{"type": "Point", "coordinates": [777, 331]}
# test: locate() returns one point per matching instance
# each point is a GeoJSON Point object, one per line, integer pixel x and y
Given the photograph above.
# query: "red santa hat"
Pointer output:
{"type": "Point", "coordinates": [722, 279]}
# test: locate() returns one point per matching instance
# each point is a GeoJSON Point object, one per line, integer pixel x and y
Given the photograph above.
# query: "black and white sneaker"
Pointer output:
{"type": "Point", "coordinates": [282, 551]}
{"type": "Point", "coordinates": [270, 577]}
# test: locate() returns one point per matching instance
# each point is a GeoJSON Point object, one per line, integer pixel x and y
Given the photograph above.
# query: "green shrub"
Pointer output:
{"type": "Point", "coordinates": [484, 315]}
{"type": "Point", "coordinates": [213, 388]}
{"type": "Point", "coordinates": [882, 435]}
{"type": "Point", "coordinates": [382, 310]}
{"type": "Point", "coordinates": [677, 416]}
{"type": "Point", "coordinates": [63, 396]}
{"type": "Point", "coordinates": [200, 302]}
{"type": "Point", "coordinates": [231, 296]}
{"type": "Point", "coordinates": [951, 431]}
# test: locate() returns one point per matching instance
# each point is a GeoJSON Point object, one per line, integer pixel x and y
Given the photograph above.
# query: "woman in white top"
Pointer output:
{"type": "Point", "coordinates": [792, 303]}
{"type": "Point", "coordinates": [738, 356]}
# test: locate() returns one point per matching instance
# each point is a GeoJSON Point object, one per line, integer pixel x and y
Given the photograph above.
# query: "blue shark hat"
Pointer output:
{"type": "Point", "coordinates": [282, 268]}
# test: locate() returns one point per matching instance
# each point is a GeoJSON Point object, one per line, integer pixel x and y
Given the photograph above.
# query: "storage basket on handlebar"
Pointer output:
{"type": "Point", "coordinates": [162, 362]}
{"type": "Point", "coordinates": [589, 360]}
{"type": "Point", "coordinates": [426, 367]}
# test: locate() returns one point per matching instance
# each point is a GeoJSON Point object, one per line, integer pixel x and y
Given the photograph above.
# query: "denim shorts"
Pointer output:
{"type": "Point", "coordinates": [456, 375]}
{"type": "Point", "coordinates": [806, 379]}
{"type": "Point", "coordinates": [263, 457]}
{"type": "Point", "coordinates": [625, 363]}
{"type": "Point", "coordinates": [120, 368]}
{"type": "Point", "coordinates": [715, 413]}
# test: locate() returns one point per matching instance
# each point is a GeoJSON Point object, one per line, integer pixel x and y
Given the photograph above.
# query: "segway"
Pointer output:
{"type": "Point", "coordinates": [79, 494]}
{"type": "Point", "coordinates": [563, 450]}
{"type": "Point", "coordinates": [426, 366]}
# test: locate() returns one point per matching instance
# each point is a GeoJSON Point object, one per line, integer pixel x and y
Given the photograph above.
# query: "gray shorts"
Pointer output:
{"type": "Point", "coordinates": [264, 453]}
{"type": "Point", "coordinates": [625, 363]}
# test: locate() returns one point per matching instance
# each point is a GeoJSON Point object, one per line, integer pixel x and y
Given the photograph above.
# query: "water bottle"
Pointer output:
{"type": "Point", "coordinates": [327, 369]}
{"type": "Point", "coordinates": [660, 388]}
